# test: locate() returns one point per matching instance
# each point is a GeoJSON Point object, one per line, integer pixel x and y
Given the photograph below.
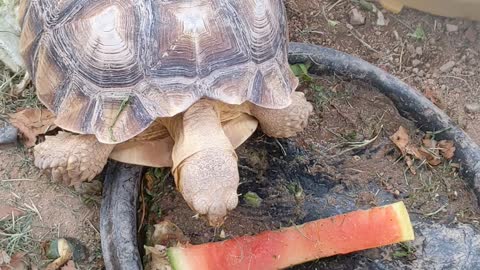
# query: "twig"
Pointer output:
{"type": "Point", "coordinates": [401, 57]}
{"type": "Point", "coordinates": [18, 179]}
{"type": "Point", "coordinates": [281, 147]}
{"type": "Point", "coordinates": [437, 211]}
{"type": "Point", "coordinates": [334, 5]}
{"type": "Point", "coordinates": [364, 42]}
{"type": "Point", "coordinates": [91, 225]}
{"type": "Point", "coordinates": [400, 21]}
{"type": "Point", "coordinates": [33, 208]}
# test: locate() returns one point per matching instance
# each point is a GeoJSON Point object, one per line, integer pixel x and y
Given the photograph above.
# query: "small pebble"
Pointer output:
{"type": "Point", "coordinates": [419, 50]}
{"type": "Point", "coordinates": [356, 17]}
{"type": "Point", "coordinates": [380, 19]}
{"type": "Point", "coordinates": [8, 133]}
{"type": "Point", "coordinates": [415, 70]}
{"type": "Point", "coordinates": [421, 73]}
{"type": "Point", "coordinates": [451, 27]}
{"type": "Point", "coordinates": [472, 107]}
{"type": "Point", "coordinates": [416, 62]}
{"type": "Point", "coordinates": [447, 66]}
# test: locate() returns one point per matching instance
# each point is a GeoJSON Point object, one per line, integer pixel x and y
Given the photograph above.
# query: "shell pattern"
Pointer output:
{"type": "Point", "coordinates": [111, 67]}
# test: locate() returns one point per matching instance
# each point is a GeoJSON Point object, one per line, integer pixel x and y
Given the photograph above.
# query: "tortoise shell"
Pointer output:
{"type": "Point", "coordinates": [111, 67]}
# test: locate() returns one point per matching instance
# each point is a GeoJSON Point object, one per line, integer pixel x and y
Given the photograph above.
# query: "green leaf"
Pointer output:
{"type": "Point", "coordinates": [252, 199]}
{"type": "Point", "coordinates": [366, 5]}
{"type": "Point", "coordinates": [301, 71]}
{"type": "Point", "coordinates": [419, 33]}
{"type": "Point", "coordinates": [332, 23]}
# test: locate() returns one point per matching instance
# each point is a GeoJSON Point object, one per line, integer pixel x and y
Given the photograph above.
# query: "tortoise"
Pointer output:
{"type": "Point", "coordinates": [161, 83]}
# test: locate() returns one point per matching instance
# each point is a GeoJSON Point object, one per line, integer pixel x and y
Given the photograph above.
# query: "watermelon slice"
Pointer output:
{"type": "Point", "coordinates": [286, 247]}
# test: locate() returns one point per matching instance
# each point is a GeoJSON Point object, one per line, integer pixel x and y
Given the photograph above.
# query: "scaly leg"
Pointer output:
{"type": "Point", "coordinates": [71, 158]}
{"type": "Point", "coordinates": [287, 122]}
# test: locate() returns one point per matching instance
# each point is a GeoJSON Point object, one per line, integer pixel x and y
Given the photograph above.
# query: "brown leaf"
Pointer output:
{"type": "Point", "coordinates": [6, 212]}
{"type": "Point", "coordinates": [16, 262]}
{"type": "Point", "coordinates": [401, 139]}
{"type": "Point", "coordinates": [430, 152]}
{"type": "Point", "coordinates": [431, 156]}
{"type": "Point", "coordinates": [4, 258]}
{"type": "Point", "coordinates": [447, 149]}
{"type": "Point", "coordinates": [410, 165]}
{"type": "Point", "coordinates": [150, 180]}
{"type": "Point", "coordinates": [69, 266]}
{"type": "Point", "coordinates": [432, 95]}
{"type": "Point", "coordinates": [31, 123]}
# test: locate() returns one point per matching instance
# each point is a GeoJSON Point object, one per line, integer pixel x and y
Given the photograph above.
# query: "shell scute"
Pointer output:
{"type": "Point", "coordinates": [87, 56]}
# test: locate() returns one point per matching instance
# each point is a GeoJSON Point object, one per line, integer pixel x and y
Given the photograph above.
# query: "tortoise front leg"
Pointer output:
{"type": "Point", "coordinates": [204, 162]}
{"type": "Point", "coordinates": [287, 122]}
{"type": "Point", "coordinates": [72, 159]}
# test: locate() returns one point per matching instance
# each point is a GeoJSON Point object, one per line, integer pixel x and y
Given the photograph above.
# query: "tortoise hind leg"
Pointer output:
{"type": "Point", "coordinates": [204, 162]}
{"type": "Point", "coordinates": [71, 158]}
{"type": "Point", "coordinates": [287, 122]}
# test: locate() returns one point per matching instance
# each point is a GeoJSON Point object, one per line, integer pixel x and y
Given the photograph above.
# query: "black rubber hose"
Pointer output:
{"type": "Point", "coordinates": [118, 217]}
{"type": "Point", "coordinates": [119, 204]}
{"type": "Point", "coordinates": [410, 103]}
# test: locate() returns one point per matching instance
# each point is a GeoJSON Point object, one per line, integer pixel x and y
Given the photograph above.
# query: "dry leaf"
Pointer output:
{"type": "Point", "coordinates": [6, 212]}
{"type": "Point", "coordinates": [16, 262]}
{"type": "Point", "coordinates": [69, 266]}
{"type": "Point", "coordinates": [410, 165]}
{"type": "Point", "coordinates": [447, 149]}
{"type": "Point", "coordinates": [430, 152]}
{"type": "Point", "coordinates": [150, 180]}
{"type": "Point", "coordinates": [31, 123]}
{"type": "Point", "coordinates": [432, 95]}
{"type": "Point", "coordinates": [4, 258]}
{"type": "Point", "coordinates": [402, 140]}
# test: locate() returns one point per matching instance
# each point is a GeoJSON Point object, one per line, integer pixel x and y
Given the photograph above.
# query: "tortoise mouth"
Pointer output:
{"type": "Point", "coordinates": [118, 221]}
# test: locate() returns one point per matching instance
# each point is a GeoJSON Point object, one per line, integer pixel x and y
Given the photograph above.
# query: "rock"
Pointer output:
{"type": "Point", "coordinates": [472, 107]}
{"type": "Point", "coordinates": [356, 17]}
{"type": "Point", "coordinates": [421, 73]}
{"type": "Point", "coordinates": [8, 133]}
{"type": "Point", "coordinates": [451, 27]}
{"type": "Point", "coordinates": [380, 19]}
{"type": "Point", "coordinates": [447, 66]}
{"type": "Point", "coordinates": [415, 70]}
{"type": "Point", "coordinates": [419, 50]}
{"type": "Point", "coordinates": [416, 62]}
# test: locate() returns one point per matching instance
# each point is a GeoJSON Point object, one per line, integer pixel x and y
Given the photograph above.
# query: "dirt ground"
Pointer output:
{"type": "Point", "coordinates": [284, 172]}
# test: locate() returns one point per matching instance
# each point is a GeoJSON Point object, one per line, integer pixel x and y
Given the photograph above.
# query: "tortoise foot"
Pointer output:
{"type": "Point", "coordinates": [71, 159]}
{"type": "Point", "coordinates": [285, 122]}
{"type": "Point", "coordinates": [208, 181]}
